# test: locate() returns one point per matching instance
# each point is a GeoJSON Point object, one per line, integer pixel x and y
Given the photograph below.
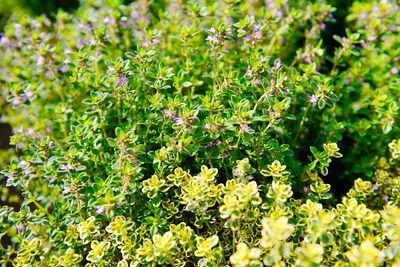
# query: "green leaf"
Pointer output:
{"type": "Point", "coordinates": [321, 103]}
{"type": "Point", "coordinates": [187, 84]}
{"type": "Point", "coordinates": [314, 150]}
{"type": "Point", "coordinates": [312, 165]}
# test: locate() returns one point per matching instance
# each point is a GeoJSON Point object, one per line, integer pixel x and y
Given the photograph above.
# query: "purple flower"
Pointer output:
{"type": "Point", "coordinates": [385, 197]}
{"type": "Point", "coordinates": [307, 60]}
{"type": "Point", "coordinates": [20, 145]}
{"type": "Point", "coordinates": [249, 72]}
{"type": "Point", "coordinates": [145, 43]}
{"type": "Point", "coordinates": [169, 114]}
{"type": "Point", "coordinates": [208, 145]}
{"type": "Point", "coordinates": [217, 142]}
{"type": "Point", "coordinates": [245, 127]}
{"type": "Point", "coordinates": [66, 167]}
{"type": "Point", "coordinates": [193, 119]}
{"type": "Point", "coordinates": [81, 43]}
{"type": "Point", "coordinates": [256, 28]}
{"type": "Point", "coordinates": [123, 80]}
{"type": "Point", "coordinates": [394, 70]}
{"type": "Point", "coordinates": [375, 9]}
{"type": "Point", "coordinates": [172, 140]}
{"type": "Point", "coordinates": [52, 179]}
{"type": "Point", "coordinates": [258, 35]}
{"type": "Point", "coordinates": [20, 228]}
{"type": "Point", "coordinates": [100, 210]}
{"type": "Point", "coordinates": [29, 94]}
{"type": "Point", "coordinates": [247, 38]}
{"type": "Point", "coordinates": [306, 188]}
{"type": "Point", "coordinates": [313, 99]}
{"type": "Point", "coordinates": [92, 41]}
{"type": "Point", "coordinates": [63, 69]}
{"type": "Point", "coordinates": [3, 39]}
{"type": "Point", "coordinates": [362, 16]}
{"type": "Point", "coordinates": [179, 121]}
{"type": "Point", "coordinates": [155, 41]}
{"type": "Point", "coordinates": [371, 38]}
{"type": "Point", "coordinates": [40, 61]}
{"type": "Point", "coordinates": [66, 190]}
{"type": "Point", "coordinates": [48, 74]}
{"type": "Point", "coordinates": [29, 132]}
{"type": "Point", "coordinates": [212, 39]}
{"type": "Point", "coordinates": [136, 162]}
{"type": "Point", "coordinates": [375, 187]}
{"type": "Point", "coordinates": [346, 81]}
{"type": "Point", "coordinates": [207, 126]}
{"type": "Point", "coordinates": [16, 101]}
{"type": "Point", "coordinates": [225, 155]}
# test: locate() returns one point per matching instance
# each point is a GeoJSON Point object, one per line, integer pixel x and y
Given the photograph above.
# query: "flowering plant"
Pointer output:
{"type": "Point", "coordinates": [206, 133]}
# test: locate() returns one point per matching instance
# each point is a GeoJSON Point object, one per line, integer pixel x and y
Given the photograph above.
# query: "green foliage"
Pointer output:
{"type": "Point", "coordinates": [201, 133]}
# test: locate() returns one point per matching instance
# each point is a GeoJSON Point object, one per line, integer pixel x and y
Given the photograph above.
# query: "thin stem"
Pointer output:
{"type": "Point", "coordinates": [301, 123]}
{"type": "Point", "coordinates": [260, 139]}
{"type": "Point", "coordinates": [37, 204]}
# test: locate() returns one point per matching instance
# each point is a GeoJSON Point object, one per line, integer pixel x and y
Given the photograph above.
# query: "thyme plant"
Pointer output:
{"type": "Point", "coordinates": [207, 133]}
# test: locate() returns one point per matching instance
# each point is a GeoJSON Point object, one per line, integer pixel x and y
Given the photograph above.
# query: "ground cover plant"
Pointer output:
{"type": "Point", "coordinates": [201, 133]}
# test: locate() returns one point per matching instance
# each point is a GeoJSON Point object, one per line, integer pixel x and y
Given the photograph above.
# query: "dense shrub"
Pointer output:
{"type": "Point", "coordinates": [206, 133]}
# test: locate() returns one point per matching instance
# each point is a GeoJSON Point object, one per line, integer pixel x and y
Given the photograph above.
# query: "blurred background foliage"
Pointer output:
{"type": "Point", "coordinates": [35, 7]}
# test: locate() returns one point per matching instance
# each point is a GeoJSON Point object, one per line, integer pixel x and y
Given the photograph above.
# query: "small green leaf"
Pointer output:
{"type": "Point", "coordinates": [321, 103]}
{"type": "Point", "coordinates": [187, 84]}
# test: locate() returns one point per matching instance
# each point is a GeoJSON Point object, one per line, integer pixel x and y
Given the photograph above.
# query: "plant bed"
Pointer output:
{"type": "Point", "coordinates": [209, 133]}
